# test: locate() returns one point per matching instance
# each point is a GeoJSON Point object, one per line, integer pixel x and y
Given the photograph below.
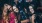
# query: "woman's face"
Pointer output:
{"type": "Point", "coordinates": [15, 9]}
{"type": "Point", "coordinates": [5, 9]}
{"type": "Point", "coordinates": [31, 9]}
{"type": "Point", "coordinates": [9, 7]}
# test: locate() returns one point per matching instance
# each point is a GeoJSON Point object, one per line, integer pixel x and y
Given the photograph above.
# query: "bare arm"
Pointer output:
{"type": "Point", "coordinates": [33, 17]}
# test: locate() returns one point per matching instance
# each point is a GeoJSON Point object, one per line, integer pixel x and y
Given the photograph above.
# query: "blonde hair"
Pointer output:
{"type": "Point", "coordinates": [4, 14]}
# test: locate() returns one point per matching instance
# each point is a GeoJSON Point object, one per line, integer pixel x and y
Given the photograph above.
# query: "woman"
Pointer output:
{"type": "Point", "coordinates": [4, 15]}
{"type": "Point", "coordinates": [12, 16]}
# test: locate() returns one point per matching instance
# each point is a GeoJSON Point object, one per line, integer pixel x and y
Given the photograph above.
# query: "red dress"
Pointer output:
{"type": "Point", "coordinates": [12, 17]}
{"type": "Point", "coordinates": [1, 21]}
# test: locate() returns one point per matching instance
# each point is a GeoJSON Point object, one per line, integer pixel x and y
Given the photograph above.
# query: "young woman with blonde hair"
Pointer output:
{"type": "Point", "coordinates": [4, 15]}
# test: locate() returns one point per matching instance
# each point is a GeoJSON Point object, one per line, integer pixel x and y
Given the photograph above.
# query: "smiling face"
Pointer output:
{"type": "Point", "coordinates": [9, 7]}
{"type": "Point", "coordinates": [31, 9]}
{"type": "Point", "coordinates": [15, 9]}
{"type": "Point", "coordinates": [6, 8]}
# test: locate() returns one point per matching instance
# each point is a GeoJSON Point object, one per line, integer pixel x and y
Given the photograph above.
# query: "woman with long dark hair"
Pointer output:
{"type": "Point", "coordinates": [12, 16]}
